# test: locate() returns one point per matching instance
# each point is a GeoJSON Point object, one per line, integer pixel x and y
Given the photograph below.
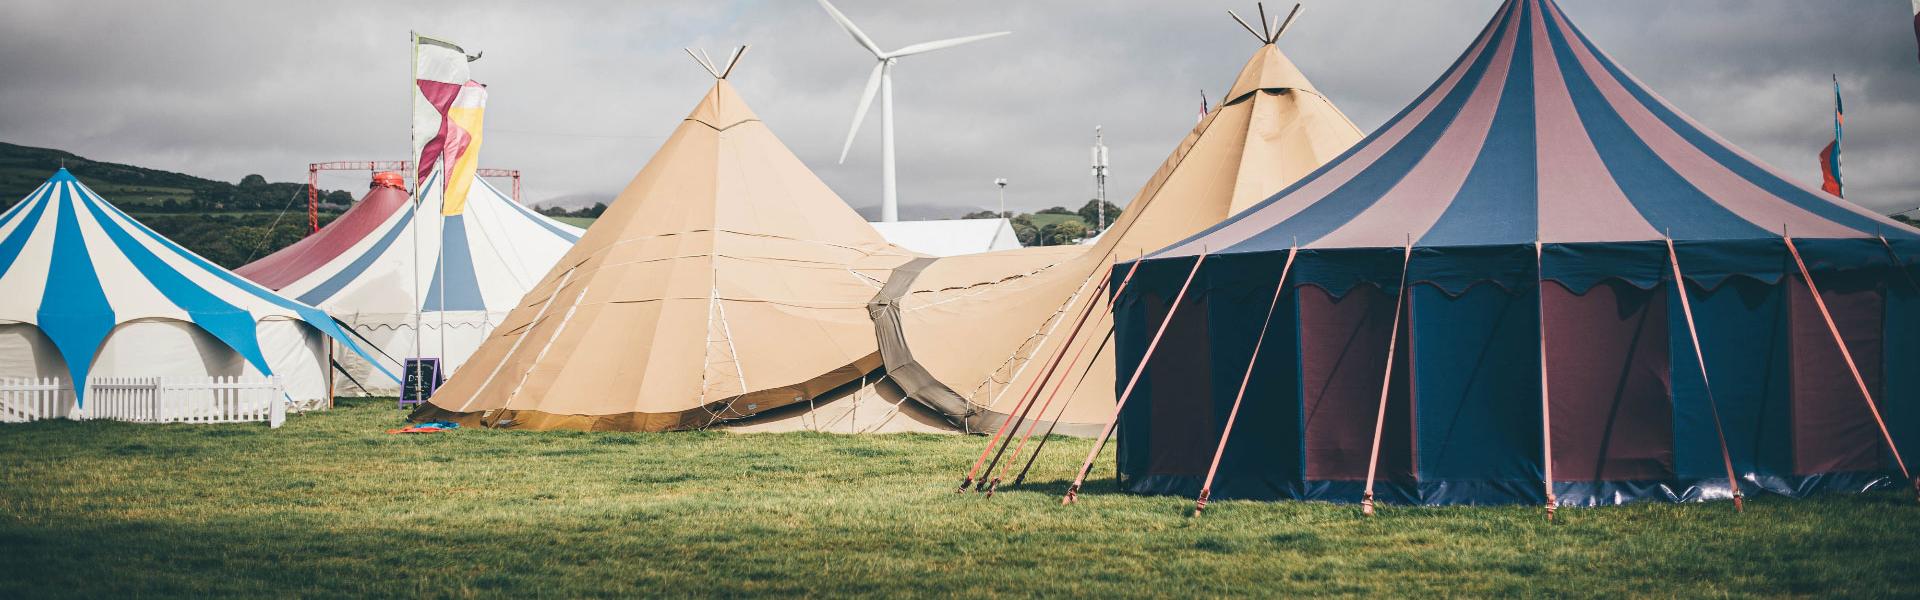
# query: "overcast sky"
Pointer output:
{"type": "Point", "coordinates": [582, 93]}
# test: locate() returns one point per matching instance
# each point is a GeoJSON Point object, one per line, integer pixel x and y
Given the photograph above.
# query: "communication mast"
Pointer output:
{"type": "Point", "coordinates": [1099, 179]}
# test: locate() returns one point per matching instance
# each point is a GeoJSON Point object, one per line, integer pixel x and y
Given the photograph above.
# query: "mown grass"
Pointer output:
{"type": "Point", "coordinates": [330, 505]}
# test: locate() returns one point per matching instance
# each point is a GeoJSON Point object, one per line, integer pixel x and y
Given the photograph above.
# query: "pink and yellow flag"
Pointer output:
{"type": "Point", "coordinates": [439, 75]}
{"type": "Point", "coordinates": [463, 145]}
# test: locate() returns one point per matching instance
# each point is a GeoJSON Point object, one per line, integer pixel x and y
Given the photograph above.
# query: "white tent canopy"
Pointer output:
{"type": "Point", "coordinates": [88, 292]}
{"type": "Point", "coordinates": [455, 276]}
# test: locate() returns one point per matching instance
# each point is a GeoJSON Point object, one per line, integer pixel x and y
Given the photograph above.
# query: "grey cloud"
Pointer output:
{"type": "Point", "coordinates": [584, 92]}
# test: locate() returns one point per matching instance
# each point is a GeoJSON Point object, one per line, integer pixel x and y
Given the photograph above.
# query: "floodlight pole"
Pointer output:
{"type": "Point", "coordinates": [1002, 183]}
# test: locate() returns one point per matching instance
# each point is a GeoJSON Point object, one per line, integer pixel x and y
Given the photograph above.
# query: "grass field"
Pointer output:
{"type": "Point", "coordinates": [581, 222]}
{"type": "Point", "coordinates": [329, 505]}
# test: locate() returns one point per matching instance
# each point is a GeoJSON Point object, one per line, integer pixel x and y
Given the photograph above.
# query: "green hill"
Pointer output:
{"type": "Point", "coordinates": [229, 223]}
{"type": "Point", "coordinates": [143, 190]}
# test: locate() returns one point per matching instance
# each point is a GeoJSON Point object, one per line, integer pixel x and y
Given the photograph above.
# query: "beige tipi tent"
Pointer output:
{"type": "Point", "coordinates": [726, 280]}
{"type": "Point", "coordinates": [969, 335]}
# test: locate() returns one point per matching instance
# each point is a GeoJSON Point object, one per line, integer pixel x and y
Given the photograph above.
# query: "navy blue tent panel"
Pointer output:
{"type": "Point", "coordinates": [1744, 322]}
{"type": "Point", "coordinates": [1544, 195]}
{"type": "Point", "coordinates": [1476, 361]}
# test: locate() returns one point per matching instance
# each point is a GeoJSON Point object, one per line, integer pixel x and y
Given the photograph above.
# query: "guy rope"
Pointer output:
{"type": "Point", "coordinates": [1279, 290]}
{"type": "Point", "coordinates": [1386, 383]}
{"type": "Point", "coordinates": [1073, 491]}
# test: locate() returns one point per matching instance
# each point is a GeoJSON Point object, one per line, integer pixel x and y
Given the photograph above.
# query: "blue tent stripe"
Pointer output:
{"type": "Point", "coordinates": [15, 241]}
{"type": "Point", "coordinates": [231, 324]}
{"type": "Point", "coordinates": [16, 210]}
{"type": "Point", "coordinates": [1818, 205]}
{"type": "Point", "coordinates": [454, 285]}
{"type": "Point", "coordinates": [1499, 201]}
{"type": "Point", "coordinates": [312, 316]}
{"type": "Point", "coordinates": [1662, 196]}
{"type": "Point", "coordinates": [537, 219]}
{"type": "Point", "coordinates": [334, 284]}
{"type": "Point", "coordinates": [74, 313]}
{"type": "Point", "coordinates": [1366, 188]}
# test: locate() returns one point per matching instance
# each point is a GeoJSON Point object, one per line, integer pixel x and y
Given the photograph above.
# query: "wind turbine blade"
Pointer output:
{"type": "Point", "coordinates": [942, 44]}
{"type": "Point", "coordinates": [847, 24]}
{"type": "Point", "coordinates": [860, 111]}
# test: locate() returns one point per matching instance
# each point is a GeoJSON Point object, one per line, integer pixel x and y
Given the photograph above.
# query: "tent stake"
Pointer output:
{"type": "Point", "coordinates": [1386, 382]}
{"type": "Point", "coordinates": [1279, 289]}
{"type": "Point", "coordinates": [1699, 356]}
{"type": "Point", "coordinates": [1841, 342]}
{"type": "Point", "coordinates": [1073, 491]}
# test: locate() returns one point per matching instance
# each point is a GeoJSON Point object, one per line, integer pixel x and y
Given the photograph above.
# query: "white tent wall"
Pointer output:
{"type": "Point", "coordinates": [165, 348]}
{"type": "Point", "coordinates": [172, 348]}
{"type": "Point", "coordinates": [298, 356]}
{"type": "Point", "coordinates": [27, 353]}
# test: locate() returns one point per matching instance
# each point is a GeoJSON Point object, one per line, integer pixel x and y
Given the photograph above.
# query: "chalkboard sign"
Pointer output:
{"type": "Point", "coordinates": [422, 376]}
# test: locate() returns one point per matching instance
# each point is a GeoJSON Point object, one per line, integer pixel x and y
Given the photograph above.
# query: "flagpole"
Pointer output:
{"type": "Point", "coordinates": [439, 256]}
{"type": "Point", "coordinates": [413, 85]}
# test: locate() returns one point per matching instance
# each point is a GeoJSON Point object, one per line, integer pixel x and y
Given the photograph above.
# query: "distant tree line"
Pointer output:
{"type": "Point", "coordinates": [231, 240]}
{"type": "Point", "coordinates": [1055, 226]}
{"type": "Point", "coordinates": [590, 212]}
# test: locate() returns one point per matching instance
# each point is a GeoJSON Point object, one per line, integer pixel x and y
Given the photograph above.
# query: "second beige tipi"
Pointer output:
{"type": "Point", "coordinates": [726, 280]}
{"type": "Point", "coordinates": [969, 335]}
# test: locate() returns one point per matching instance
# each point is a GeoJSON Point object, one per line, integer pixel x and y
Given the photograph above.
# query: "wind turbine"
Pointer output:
{"type": "Point", "coordinates": [882, 81]}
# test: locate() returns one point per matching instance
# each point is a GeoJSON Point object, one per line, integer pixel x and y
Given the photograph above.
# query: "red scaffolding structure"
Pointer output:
{"type": "Point", "coordinates": [375, 166]}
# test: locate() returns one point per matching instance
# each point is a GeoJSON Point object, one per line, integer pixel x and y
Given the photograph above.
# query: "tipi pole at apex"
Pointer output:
{"type": "Point", "coordinates": [1841, 342]}
{"type": "Point", "coordinates": [1279, 289]}
{"type": "Point", "coordinates": [1386, 382]}
{"type": "Point", "coordinates": [1073, 491]}
{"type": "Point", "coordinates": [1693, 333]}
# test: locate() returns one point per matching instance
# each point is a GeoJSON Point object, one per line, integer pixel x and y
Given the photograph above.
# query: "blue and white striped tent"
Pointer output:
{"type": "Point", "coordinates": [86, 291]}
{"type": "Point", "coordinates": [455, 276]}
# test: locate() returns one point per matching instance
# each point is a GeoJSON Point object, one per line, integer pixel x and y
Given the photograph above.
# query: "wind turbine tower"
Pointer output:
{"type": "Point", "coordinates": [881, 80]}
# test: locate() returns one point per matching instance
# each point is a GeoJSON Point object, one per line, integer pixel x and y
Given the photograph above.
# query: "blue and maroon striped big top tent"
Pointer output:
{"type": "Point", "coordinates": [1497, 258]}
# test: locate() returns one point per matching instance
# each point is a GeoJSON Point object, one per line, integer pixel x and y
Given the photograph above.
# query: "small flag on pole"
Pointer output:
{"type": "Point", "coordinates": [439, 74]}
{"type": "Point", "coordinates": [1830, 156]}
{"type": "Point", "coordinates": [1203, 100]}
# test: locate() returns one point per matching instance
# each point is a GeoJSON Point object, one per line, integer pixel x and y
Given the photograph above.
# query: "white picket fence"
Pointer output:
{"type": "Point", "coordinates": [148, 400]}
{"type": "Point", "coordinates": [23, 400]}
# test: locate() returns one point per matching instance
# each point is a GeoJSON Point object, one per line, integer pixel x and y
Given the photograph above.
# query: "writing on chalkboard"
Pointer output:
{"type": "Point", "coordinates": [421, 377]}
